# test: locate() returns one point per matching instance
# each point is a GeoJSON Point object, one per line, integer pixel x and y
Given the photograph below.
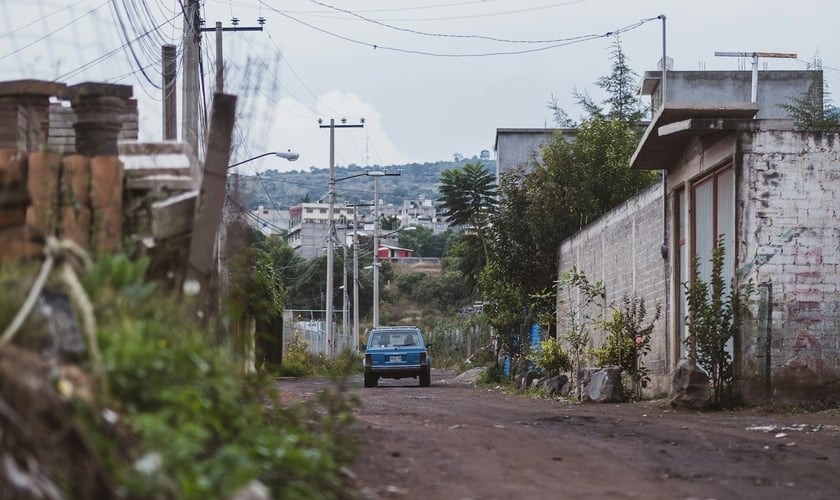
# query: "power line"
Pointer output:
{"type": "Point", "coordinates": [51, 33]}
{"type": "Point", "coordinates": [567, 42]}
{"type": "Point", "coordinates": [107, 55]}
{"type": "Point", "coordinates": [444, 35]}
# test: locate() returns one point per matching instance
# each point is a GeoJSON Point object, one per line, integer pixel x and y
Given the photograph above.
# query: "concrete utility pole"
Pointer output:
{"type": "Point", "coordinates": [170, 103]}
{"type": "Point", "coordinates": [356, 272]}
{"type": "Point", "coordinates": [755, 56]}
{"type": "Point", "coordinates": [192, 40]}
{"type": "Point", "coordinates": [331, 226]}
{"type": "Point", "coordinates": [218, 29]}
{"type": "Point", "coordinates": [376, 246]}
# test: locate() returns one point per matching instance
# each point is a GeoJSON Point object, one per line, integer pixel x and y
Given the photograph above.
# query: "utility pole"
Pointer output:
{"type": "Point", "coordinates": [192, 40]}
{"type": "Point", "coordinates": [218, 29]}
{"type": "Point", "coordinates": [331, 224]}
{"type": "Point", "coordinates": [356, 272]}
{"type": "Point", "coordinates": [170, 103]}
{"type": "Point", "coordinates": [376, 246]}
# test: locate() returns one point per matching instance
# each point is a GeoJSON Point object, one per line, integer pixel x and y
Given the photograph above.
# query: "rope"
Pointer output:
{"type": "Point", "coordinates": [67, 253]}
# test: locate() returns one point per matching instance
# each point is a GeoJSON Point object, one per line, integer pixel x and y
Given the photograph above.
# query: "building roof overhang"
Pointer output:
{"type": "Point", "coordinates": [676, 122]}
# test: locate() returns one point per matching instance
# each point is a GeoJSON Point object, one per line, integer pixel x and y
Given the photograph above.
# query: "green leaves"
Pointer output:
{"type": "Point", "coordinates": [469, 199]}
{"type": "Point", "coordinates": [121, 275]}
{"type": "Point", "coordinates": [712, 321]}
{"type": "Point", "coordinates": [628, 341]}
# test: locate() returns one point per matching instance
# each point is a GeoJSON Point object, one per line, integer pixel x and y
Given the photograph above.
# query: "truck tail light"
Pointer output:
{"type": "Point", "coordinates": [368, 361]}
{"type": "Point", "coordinates": [422, 358]}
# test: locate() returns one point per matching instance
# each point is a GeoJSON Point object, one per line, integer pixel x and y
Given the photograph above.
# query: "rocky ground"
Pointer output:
{"type": "Point", "coordinates": [457, 441]}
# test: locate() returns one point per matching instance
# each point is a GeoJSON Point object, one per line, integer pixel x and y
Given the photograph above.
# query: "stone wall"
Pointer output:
{"type": "Point", "coordinates": [622, 248]}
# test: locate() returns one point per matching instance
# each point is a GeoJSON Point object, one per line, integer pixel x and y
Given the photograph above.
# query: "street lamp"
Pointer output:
{"type": "Point", "coordinates": [288, 155]}
{"type": "Point", "coordinates": [376, 245]}
{"type": "Point", "coordinates": [376, 258]}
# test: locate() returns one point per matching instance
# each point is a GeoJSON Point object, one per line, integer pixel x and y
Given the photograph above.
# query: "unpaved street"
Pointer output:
{"type": "Point", "coordinates": [455, 441]}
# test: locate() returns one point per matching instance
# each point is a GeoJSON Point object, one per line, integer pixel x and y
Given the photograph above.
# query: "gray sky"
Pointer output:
{"type": "Point", "coordinates": [445, 74]}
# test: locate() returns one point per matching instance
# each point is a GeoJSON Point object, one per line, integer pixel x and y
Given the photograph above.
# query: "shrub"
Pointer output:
{"type": "Point", "coordinates": [550, 357]}
{"type": "Point", "coordinates": [191, 426]}
{"type": "Point", "coordinates": [628, 341]}
{"type": "Point", "coordinates": [713, 322]}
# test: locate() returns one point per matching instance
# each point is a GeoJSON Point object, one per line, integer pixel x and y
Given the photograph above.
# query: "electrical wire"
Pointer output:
{"type": "Point", "coordinates": [53, 32]}
{"type": "Point", "coordinates": [444, 35]}
{"type": "Point", "coordinates": [567, 42]}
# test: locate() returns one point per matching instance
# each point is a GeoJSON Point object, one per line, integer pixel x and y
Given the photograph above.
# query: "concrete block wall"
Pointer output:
{"type": "Point", "coordinates": [622, 248]}
{"type": "Point", "coordinates": [791, 243]}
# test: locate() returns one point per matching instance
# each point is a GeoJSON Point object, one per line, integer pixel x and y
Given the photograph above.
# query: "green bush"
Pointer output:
{"type": "Point", "coordinates": [550, 357]}
{"type": "Point", "coordinates": [628, 341]}
{"type": "Point", "coordinates": [492, 375]}
{"type": "Point", "coordinates": [191, 425]}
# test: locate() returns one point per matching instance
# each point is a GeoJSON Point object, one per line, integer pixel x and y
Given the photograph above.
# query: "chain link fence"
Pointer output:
{"type": "Point", "coordinates": [308, 326]}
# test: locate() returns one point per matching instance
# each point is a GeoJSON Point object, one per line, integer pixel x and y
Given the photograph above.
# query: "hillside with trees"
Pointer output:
{"type": "Point", "coordinates": [283, 189]}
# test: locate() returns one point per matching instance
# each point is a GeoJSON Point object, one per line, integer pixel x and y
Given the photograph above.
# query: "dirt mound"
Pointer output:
{"type": "Point", "coordinates": [43, 452]}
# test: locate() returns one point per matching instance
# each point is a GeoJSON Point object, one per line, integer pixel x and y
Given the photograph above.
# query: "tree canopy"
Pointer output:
{"type": "Point", "coordinates": [468, 198]}
{"type": "Point", "coordinates": [575, 183]}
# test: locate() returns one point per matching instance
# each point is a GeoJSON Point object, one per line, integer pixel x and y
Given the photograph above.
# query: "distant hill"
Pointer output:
{"type": "Point", "coordinates": [284, 189]}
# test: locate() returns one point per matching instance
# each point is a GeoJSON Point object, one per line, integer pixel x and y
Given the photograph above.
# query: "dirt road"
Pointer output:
{"type": "Point", "coordinates": [456, 442]}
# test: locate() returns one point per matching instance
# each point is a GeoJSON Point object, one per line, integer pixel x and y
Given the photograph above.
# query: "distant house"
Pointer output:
{"type": "Point", "coordinates": [388, 252]}
{"type": "Point", "coordinates": [269, 221]}
{"type": "Point", "coordinates": [772, 194]}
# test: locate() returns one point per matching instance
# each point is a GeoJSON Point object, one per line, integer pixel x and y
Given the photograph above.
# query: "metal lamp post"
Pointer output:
{"type": "Point", "coordinates": [376, 258]}
{"type": "Point", "coordinates": [288, 155]}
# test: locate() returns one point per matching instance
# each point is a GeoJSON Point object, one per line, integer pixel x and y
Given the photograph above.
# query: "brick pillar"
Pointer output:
{"type": "Point", "coordinates": [17, 240]}
{"type": "Point", "coordinates": [25, 114]}
{"type": "Point", "coordinates": [99, 111]}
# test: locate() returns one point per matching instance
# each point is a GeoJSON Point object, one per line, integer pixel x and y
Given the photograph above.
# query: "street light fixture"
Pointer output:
{"type": "Point", "coordinates": [376, 244]}
{"type": "Point", "coordinates": [376, 259]}
{"type": "Point", "coordinates": [288, 155]}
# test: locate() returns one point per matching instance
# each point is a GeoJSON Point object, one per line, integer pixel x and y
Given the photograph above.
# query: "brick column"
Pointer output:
{"type": "Point", "coordinates": [99, 111]}
{"type": "Point", "coordinates": [99, 108]}
{"type": "Point", "coordinates": [16, 238]}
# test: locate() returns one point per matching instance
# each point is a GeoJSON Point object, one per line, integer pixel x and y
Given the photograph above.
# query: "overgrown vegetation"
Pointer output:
{"type": "Point", "coordinates": [628, 341]}
{"type": "Point", "coordinates": [814, 110]}
{"type": "Point", "coordinates": [550, 357]}
{"type": "Point", "coordinates": [713, 322]}
{"type": "Point", "coordinates": [188, 424]}
{"type": "Point", "coordinates": [578, 315]}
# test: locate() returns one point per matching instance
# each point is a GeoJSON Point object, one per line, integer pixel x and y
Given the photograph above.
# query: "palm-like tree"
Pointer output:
{"type": "Point", "coordinates": [469, 197]}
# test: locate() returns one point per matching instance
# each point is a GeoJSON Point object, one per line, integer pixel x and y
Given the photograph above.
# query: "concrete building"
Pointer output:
{"type": "Point", "coordinates": [269, 221]}
{"type": "Point", "coordinates": [772, 194]}
{"type": "Point", "coordinates": [520, 147]}
{"type": "Point", "coordinates": [774, 88]}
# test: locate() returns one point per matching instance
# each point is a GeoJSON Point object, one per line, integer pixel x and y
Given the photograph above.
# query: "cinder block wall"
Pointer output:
{"type": "Point", "coordinates": [791, 248]}
{"type": "Point", "coordinates": [622, 248]}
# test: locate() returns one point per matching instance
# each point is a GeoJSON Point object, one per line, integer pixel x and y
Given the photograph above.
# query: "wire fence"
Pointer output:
{"type": "Point", "coordinates": [308, 327]}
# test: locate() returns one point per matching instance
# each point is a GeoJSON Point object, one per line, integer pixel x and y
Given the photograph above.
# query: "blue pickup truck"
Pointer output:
{"type": "Point", "coordinates": [396, 352]}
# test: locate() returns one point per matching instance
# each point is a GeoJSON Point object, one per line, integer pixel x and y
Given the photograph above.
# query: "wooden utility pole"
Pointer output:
{"type": "Point", "coordinates": [170, 102]}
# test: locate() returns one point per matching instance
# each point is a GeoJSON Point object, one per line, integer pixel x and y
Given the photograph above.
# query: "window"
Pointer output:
{"type": "Point", "coordinates": [712, 215]}
{"type": "Point", "coordinates": [713, 200]}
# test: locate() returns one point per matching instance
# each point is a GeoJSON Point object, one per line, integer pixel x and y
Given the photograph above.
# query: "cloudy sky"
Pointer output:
{"type": "Point", "coordinates": [430, 77]}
